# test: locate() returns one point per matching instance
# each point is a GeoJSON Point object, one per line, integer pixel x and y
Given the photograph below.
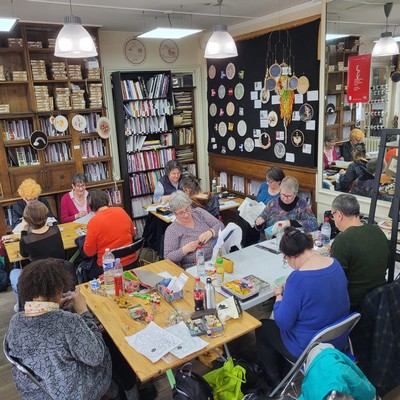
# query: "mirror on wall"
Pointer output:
{"type": "Point", "coordinates": [352, 129]}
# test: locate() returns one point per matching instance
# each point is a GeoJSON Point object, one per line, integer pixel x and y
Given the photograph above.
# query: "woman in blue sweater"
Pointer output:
{"type": "Point", "coordinates": [315, 296]}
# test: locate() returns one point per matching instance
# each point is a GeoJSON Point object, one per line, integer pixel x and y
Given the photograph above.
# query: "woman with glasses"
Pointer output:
{"type": "Point", "coordinates": [168, 183]}
{"type": "Point", "coordinates": [356, 137]}
{"type": "Point", "coordinates": [74, 204]}
{"type": "Point", "coordinates": [288, 209]}
{"type": "Point", "coordinates": [330, 154]}
{"type": "Point", "coordinates": [315, 296]}
{"type": "Point", "coordinates": [193, 226]}
{"type": "Point", "coordinates": [272, 186]}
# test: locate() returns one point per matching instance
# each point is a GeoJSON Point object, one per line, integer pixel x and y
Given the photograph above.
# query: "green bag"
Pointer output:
{"type": "Point", "coordinates": [227, 381]}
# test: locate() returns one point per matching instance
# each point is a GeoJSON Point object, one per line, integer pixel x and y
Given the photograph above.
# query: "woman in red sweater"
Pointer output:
{"type": "Point", "coordinates": [74, 204]}
{"type": "Point", "coordinates": [111, 227]}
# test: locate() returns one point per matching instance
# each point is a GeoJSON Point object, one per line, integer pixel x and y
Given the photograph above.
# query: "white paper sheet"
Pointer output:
{"type": "Point", "coordinates": [153, 342]}
{"type": "Point", "coordinates": [298, 99]}
{"type": "Point", "coordinates": [223, 205]}
{"type": "Point", "coordinates": [85, 219]}
{"type": "Point", "coordinates": [253, 95]}
{"type": "Point", "coordinates": [190, 344]}
{"type": "Point", "coordinates": [249, 210]}
{"type": "Point", "coordinates": [312, 95]}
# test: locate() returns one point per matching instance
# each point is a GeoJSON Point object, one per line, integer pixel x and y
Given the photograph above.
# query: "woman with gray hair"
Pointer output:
{"type": "Point", "coordinates": [169, 182]}
{"type": "Point", "coordinates": [193, 226]}
{"type": "Point", "coordinates": [74, 204]}
{"type": "Point", "coordinates": [288, 209]}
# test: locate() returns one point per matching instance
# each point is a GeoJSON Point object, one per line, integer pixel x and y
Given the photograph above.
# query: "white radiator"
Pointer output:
{"type": "Point", "coordinates": [372, 144]}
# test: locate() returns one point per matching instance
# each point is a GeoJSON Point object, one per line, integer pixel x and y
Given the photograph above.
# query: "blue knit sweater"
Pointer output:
{"type": "Point", "coordinates": [311, 301]}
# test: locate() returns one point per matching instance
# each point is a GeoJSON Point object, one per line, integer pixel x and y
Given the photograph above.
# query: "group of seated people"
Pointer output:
{"type": "Point", "coordinates": [359, 176]}
{"type": "Point", "coordinates": [318, 292]}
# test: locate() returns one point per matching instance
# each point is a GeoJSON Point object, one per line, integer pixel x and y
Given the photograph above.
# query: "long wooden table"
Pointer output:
{"type": "Point", "coordinates": [118, 323]}
{"type": "Point", "coordinates": [69, 232]}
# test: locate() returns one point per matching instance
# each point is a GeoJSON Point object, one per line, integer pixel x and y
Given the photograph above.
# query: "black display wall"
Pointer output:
{"type": "Point", "coordinates": [244, 117]}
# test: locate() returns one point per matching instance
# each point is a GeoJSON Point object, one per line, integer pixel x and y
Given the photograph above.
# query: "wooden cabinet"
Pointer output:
{"type": "Point", "coordinates": [185, 128]}
{"type": "Point", "coordinates": [37, 90]}
{"type": "Point", "coordinates": [343, 119]}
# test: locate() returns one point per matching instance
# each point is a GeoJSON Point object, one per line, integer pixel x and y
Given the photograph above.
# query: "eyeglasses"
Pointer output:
{"type": "Point", "coordinates": [333, 214]}
{"type": "Point", "coordinates": [287, 196]}
{"type": "Point", "coordinates": [186, 211]}
{"type": "Point", "coordinates": [80, 186]}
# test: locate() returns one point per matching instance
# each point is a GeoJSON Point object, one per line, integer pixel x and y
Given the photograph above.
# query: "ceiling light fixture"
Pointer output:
{"type": "Point", "coordinates": [7, 23]}
{"type": "Point", "coordinates": [386, 45]}
{"type": "Point", "coordinates": [169, 33]}
{"type": "Point", "coordinates": [73, 40]}
{"type": "Point", "coordinates": [333, 36]}
{"type": "Point", "coordinates": [221, 43]}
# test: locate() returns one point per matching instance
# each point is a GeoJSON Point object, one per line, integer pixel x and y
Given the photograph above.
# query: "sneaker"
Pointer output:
{"type": "Point", "coordinates": [16, 308]}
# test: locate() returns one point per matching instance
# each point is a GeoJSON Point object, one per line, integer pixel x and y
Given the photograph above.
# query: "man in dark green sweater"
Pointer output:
{"type": "Point", "coordinates": [362, 250]}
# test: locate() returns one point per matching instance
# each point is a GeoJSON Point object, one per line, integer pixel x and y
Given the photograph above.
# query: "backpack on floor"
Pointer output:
{"type": "Point", "coordinates": [189, 385]}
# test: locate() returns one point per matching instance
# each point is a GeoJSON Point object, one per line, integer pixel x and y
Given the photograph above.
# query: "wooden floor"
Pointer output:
{"type": "Point", "coordinates": [243, 347]}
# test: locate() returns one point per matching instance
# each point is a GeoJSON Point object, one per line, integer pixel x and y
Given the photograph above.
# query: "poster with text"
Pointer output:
{"type": "Point", "coordinates": [358, 75]}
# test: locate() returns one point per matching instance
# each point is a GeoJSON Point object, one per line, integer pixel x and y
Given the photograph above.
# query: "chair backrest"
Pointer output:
{"type": "Point", "coordinates": [336, 329]}
{"type": "Point", "coordinates": [129, 249]}
{"type": "Point", "coordinates": [21, 367]}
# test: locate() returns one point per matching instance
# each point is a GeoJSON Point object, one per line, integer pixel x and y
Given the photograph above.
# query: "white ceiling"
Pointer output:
{"type": "Point", "coordinates": [362, 17]}
{"type": "Point", "coordinates": [358, 17]}
{"type": "Point", "coordinates": [141, 15]}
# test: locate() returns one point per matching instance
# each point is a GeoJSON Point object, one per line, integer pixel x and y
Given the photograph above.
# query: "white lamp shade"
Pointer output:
{"type": "Point", "coordinates": [74, 41]}
{"type": "Point", "coordinates": [220, 44]}
{"type": "Point", "coordinates": [385, 46]}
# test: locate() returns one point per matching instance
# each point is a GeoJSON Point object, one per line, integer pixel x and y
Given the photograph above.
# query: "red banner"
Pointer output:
{"type": "Point", "coordinates": [358, 75]}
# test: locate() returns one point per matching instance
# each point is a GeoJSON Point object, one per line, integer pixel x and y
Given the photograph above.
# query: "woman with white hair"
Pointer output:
{"type": "Point", "coordinates": [288, 209]}
{"type": "Point", "coordinates": [193, 226]}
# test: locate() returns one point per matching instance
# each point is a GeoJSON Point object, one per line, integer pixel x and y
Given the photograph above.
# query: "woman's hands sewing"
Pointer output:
{"type": "Point", "coordinates": [190, 247]}
{"type": "Point", "coordinates": [206, 236]}
{"type": "Point", "coordinates": [260, 221]}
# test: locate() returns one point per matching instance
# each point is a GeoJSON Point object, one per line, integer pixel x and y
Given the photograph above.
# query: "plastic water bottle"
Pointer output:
{"type": "Point", "coordinates": [209, 293]}
{"type": "Point", "coordinates": [108, 270]}
{"type": "Point", "coordinates": [198, 295]}
{"type": "Point", "coordinates": [201, 267]}
{"type": "Point", "coordinates": [279, 233]}
{"type": "Point", "coordinates": [118, 278]}
{"type": "Point", "coordinates": [326, 231]}
{"type": "Point", "coordinates": [214, 186]}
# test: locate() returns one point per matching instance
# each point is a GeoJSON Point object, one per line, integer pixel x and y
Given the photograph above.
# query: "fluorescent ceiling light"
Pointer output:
{"type": "Point", "coordinates": [396, 38]}
{"type": "Point", "coordinates": [332, 36]}
{"type": "Point", "coordinates": [169, 33]}
{"type": "Point", "coordinates": [6, 24]}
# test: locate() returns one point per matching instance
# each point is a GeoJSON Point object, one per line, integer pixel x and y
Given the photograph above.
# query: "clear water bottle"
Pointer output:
{"type": "Point", "coordinates": [214, 185]}
{"type": "Point", "coordinates": [279, 233]}
{"type": "Point", "coordinates": [209, 294]}
{"type": "Point", "coordinates": [118, 278]}
{"type": "Point", "coordinates": [108, 270]}
{"type": "Point", "coordinates": [200, 262]}
{"type": "Point", "coordinates": [198, 295]}
{"type": "Point", "coordinates": [326, 231]}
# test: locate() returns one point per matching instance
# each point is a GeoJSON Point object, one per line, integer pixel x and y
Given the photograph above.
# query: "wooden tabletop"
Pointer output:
{"type": "Point", "coordinates": [68, 233]}
{"type": "Point", "coordinates": [118, 323]}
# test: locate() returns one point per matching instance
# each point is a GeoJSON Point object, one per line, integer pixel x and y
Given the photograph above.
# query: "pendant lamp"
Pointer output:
{"type": "Point", "coordinates": [386, 45]}
{"type": "Point", "coordinates": [221, 43]}
{"type": "Point", "coordinates": [73, 40]}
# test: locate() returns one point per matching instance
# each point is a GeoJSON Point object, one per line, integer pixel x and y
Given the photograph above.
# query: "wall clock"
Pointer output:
{"type": "Point", "coordinates": [169, 51]}
{"type": "Point", "coordinates": [134, 51]}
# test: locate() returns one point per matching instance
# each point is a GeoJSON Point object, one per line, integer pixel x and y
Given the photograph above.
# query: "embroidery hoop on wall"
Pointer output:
{"type": "Point", "coordinates": [268, 138]}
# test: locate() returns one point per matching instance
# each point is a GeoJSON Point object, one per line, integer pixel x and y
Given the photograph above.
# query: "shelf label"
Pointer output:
{"type": "Point", "coordinates": [77, 147]}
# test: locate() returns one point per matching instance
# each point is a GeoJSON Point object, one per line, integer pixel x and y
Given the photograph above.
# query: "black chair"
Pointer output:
{"type": "Point", "coordinates": [124, 251]}
{"type": "Point", "coordinates": [21, 367]}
